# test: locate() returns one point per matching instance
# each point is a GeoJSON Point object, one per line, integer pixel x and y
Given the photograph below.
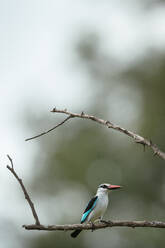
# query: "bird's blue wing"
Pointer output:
{"type": "Point", "coordinates": [89, 208]}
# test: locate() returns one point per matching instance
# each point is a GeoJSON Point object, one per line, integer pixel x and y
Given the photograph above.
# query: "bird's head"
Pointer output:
{"type": "Point", "coordinates": [106, 187]}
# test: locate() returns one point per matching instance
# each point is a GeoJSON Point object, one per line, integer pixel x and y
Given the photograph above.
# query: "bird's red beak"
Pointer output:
{"type": "Point", "coordinates": [111, 187]}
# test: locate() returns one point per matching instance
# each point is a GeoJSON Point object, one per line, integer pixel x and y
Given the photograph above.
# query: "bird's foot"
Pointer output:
{"type": "Point", "coordinates": [93, 226]}
{"type": "Point", "coordinates": [106, 222]}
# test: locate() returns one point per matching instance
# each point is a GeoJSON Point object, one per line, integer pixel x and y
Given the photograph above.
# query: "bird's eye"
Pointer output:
{"type": "Point", "coordinates": [104, 186]}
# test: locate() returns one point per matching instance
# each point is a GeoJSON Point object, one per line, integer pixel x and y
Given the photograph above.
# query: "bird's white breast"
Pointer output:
{"type": "Point", "coordinates": [100, 208]}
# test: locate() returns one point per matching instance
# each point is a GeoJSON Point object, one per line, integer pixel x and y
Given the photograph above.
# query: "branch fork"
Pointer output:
{"type": "Point", "coordinates": [137, 138]}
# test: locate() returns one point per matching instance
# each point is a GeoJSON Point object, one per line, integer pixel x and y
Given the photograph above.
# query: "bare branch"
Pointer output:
{"type": "Point", "coordinates": [137, 138]}
{"type": "Point", "coordinates": [67, 227]}
{"type": "Point", "coordinates": [133, 224]}
{"type": "Point", "coordinates": [27, 197]}
{"type": "Point", "coordinates": [41, 134]}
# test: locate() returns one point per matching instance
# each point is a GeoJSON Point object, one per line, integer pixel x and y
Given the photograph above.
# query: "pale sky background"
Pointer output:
{"type": "Point", "coordinates": [37, 69]}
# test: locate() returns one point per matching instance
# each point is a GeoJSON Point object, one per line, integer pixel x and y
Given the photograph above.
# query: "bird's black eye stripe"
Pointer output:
{"type": "Point", "coordinates": [103, 186]}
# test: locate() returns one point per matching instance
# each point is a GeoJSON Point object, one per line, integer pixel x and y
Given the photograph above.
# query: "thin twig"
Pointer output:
{"type": "Point", "coordinates": [133, 224]}
{"type": "Point", "coordinates": [138, 139]}
{"type": "Point", "coordinates": [27, 197]}
{"type": "Point", "coordinates": [11, 161]}
{"type": "Point", "coordinates": [41, 134]}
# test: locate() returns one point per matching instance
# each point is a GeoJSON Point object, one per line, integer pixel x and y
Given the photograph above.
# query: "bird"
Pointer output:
{"type": "Point", "coordinates": [97, 206]}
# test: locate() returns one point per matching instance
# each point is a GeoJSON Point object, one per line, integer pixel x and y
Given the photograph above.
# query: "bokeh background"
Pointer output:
{"type": "Point", "coordinates": [106, 58]}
